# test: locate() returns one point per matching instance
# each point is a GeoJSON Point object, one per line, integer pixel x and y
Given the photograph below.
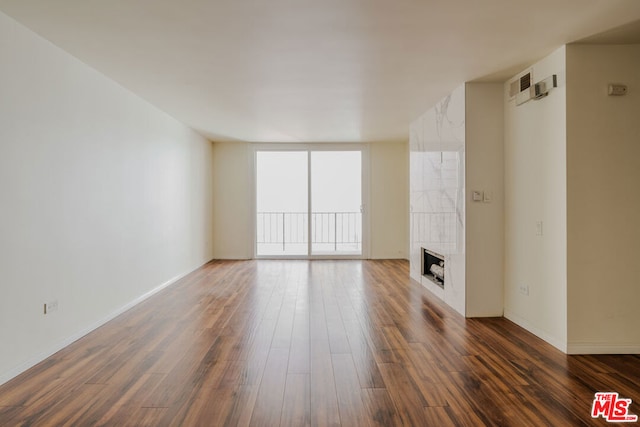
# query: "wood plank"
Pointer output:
{"type": "Point", "coordinates": [439, 416]}
{"type": "Point", "coordinates": [268, 407]}
{"type": "Point", "coordinates": [131, 401]}
{"type": "Point", "coordinates": [300, 354]}
{"type": "Point", "coordinates": [335, 327]}
{"type": "Point", "coordinates": [241, 408]}
{"type": "Point", "coordinates": [296, 411]}
{"type": "Point", "coordinates": [405, 394]}
{"type": "Point", "coordinates": [350, 402]}
{"type": "Point", "coordinates": [321, 343]}
{"type": "Point", "coordinates": [380, 408]}
{"type": "Point", "coordinates": [324, 410]}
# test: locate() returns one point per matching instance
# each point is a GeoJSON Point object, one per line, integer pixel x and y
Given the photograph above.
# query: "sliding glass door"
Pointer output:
{"type": "Point", "coordinates": [308, 203]}
{"type": "Point", "coordinates": [336, 200]}
{"type": "Point", "coordinates": [281, 202]}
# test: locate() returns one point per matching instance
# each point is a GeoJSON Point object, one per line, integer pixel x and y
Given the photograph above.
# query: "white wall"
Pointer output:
{"type": "Point", "coordinates": [484, 227]}
{"type": "Point", "coordinates": [603, 205]}
{"type": "Point", "coordinates": [234, 199]}
{"type": "Point", "coordinates": [233, 207]}
{"type": "Point", "coordinates": [389, 203]}
{"type": "Point", "coordinates": [103, 198]}
{"type": "Point", "coordinates": [535, 190]}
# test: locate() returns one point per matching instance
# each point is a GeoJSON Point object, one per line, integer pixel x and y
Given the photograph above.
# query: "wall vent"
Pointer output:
{"type": "Point", "coordinates": [520, 84]}
{"type": "Point", "coordinates": [522, 88]}
{"type": "Point", "coordinates": [525, 82]}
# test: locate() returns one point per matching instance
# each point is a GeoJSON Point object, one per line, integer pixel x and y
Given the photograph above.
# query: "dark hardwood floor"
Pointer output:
{"type": "Point", "coordinates": [295, 343]}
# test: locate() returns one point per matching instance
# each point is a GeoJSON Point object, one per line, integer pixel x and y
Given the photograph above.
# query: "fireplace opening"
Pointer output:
{"type": "Point", "coordinates": [433, 267]}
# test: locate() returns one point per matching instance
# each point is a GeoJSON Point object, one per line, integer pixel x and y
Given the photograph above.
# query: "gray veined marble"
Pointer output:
{"type": "Point", "coordinates": [437, 156]}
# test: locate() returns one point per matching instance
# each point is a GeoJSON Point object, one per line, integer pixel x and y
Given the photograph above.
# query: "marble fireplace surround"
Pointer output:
{"type": "Point", "coordinates": [456, 150]}
{"type": "Point", "coordinates": [437, 205]}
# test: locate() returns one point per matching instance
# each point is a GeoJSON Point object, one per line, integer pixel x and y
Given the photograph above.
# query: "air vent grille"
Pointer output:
{"type": "Point", "coordinates": [521, 88]}
{"type": "Point", "coordinates": [525, 82]}
{"type": "Point", "coordinates": [520, 84]}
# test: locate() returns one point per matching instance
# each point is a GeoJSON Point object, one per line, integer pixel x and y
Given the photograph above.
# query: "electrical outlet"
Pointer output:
{"type": "Point", "coordinates": [524, 289]}
{"type": "Point", "coordinates": [51, 306]}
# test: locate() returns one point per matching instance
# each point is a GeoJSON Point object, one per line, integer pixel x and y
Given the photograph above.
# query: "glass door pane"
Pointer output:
{"type": "Point", "coordinates": [336, 200]}
{"type": "Point", "coordinates": [282, 203]}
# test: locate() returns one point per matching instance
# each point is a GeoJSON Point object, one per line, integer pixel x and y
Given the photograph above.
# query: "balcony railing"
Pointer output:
{"type": "Point", "coordinates": [335, 229]}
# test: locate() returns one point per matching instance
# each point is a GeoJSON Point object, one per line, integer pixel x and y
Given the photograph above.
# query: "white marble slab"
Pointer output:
{"type": "Point", "coordinates": [437, 156]}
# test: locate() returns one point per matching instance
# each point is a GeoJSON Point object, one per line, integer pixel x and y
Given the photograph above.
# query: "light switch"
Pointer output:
{"type": "Point", "coordinates": [477, 196]}
{"type": "Point", "coordinates": [538, 228]}
{"type": "Point", "coordinates": [488, 196]}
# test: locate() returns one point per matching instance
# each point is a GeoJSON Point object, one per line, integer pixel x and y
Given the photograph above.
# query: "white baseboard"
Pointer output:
{"type": "Point", "coordinates": [12, 373]}
{"type": "Point", "coordinates": [599, 348]}
{"type": "Point", "coordinates": [554, 341]}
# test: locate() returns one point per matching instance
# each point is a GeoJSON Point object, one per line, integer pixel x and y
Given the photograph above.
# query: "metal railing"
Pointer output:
{"type": "Point", "coordinates": [287, 228]}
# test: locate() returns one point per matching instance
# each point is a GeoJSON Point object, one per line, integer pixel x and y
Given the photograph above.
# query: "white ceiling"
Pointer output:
{"type": "Point", "coordinates": [311, 70]}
